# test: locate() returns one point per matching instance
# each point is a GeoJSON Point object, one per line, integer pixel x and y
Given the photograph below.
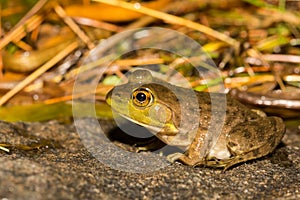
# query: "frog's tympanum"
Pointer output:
{"type": "Point", "coordinates": [162, 108]}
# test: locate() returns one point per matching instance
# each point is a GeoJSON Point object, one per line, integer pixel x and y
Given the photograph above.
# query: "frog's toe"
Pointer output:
{"type": "Point", "coordinates": [174, 157]}
{"type": "Point", "coordinates": [259, 112]}
{"type": "Point", "coordinates": [232, 161]}
{"type": "Point", "coordinates": [228, 166]}
{"type": "Point", "coordinates": [191, 161]}
{"type": "Point", "coordinates": [140, 149]}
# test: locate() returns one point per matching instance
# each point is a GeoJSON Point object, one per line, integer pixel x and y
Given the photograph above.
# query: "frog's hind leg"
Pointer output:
{"type": "Point", "coordinates": [217, 163]}
{"type": "Point", "coordinates": [230, 162]}
{"type": "Point", "coordinates": [255, 142]}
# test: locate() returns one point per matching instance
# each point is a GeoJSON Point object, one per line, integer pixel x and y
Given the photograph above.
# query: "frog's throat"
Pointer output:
{"type": "Point", "coordinates": [154, 130]}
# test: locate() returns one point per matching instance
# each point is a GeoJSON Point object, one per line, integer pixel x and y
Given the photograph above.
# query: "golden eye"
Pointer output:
{"type": "Point", "coordinates": [142, 97]}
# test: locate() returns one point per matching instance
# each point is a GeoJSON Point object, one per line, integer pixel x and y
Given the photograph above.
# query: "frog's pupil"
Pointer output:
{"type": "Point", "coordinates": [141, 96]}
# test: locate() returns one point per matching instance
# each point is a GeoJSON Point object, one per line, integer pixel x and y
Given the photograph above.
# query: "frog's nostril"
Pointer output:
{"type": "Point", "coordinates": [117, 94]}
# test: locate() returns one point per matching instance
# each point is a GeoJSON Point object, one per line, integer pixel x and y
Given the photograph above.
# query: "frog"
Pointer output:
{"type": "Point", "coordinates": [159, 106]}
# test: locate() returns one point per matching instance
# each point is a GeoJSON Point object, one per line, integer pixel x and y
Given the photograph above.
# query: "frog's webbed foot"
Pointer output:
{"type": "Point", "coordinates": [212, 162]}
{"type": "Point", "coordinates": [227, 163]}
{"type": "Point", "coordinates": [218, 163]}
{"type": "Point", "coordinates": [174, 157]}
{"type": "Point", "coordinates": [180, 157]}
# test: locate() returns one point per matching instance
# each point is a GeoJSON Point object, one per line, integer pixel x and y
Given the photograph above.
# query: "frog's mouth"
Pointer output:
{"type": "Point", "coordinates": [152, 129]}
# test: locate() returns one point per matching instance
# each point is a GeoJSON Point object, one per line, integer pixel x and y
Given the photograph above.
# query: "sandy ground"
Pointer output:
{"type": "Point", "coordinates": [67, 169]}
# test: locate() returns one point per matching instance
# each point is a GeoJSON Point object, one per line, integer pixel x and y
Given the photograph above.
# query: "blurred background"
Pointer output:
{"type": "Point", "coordinates": [255, 44]}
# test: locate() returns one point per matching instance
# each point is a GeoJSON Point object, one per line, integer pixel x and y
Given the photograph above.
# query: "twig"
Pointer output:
{"type": "Point", "coordinates": [23, 45]}
{"type": "Point", "coordinates": [100, 89]}
{"type": "Point", "coordinates": [176, 7]}
{"type": "Point", "coordinates": [30, 24]}
{"type": "Point", "coordinates": [172, 19]}
{"type": "Point", "coordinates": [97, 24]}
{"type": "Point", "coordinates": [38, 72]}
{"type": "Point", "coordinates": [25, 20]}
{"type": "Point", "coordinates": [31, 12]}
{"type": "Point", "coordinates": [281, 58]}
{"type": "Point", "coordinates": [131, 62]}
{"type": "Point", "coordinates": [4, 149]}
{"type": "Point", "coordinates": [68, 20]}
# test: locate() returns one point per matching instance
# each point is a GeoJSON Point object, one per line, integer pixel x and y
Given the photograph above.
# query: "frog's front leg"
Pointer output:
{"type": "Point", "coordinates": [192, 156]}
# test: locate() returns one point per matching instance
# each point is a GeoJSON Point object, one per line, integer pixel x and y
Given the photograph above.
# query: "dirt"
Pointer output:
{"type": "Point", "coordinates": [59, 164]}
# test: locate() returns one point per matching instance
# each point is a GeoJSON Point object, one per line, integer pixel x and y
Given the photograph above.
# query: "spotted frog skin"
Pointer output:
{"type": "Point", "coordinates": [167, 111]}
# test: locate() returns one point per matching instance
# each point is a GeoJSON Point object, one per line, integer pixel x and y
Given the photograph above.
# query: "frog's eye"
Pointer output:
{"type": "Point", "coordinates": [142, 97]}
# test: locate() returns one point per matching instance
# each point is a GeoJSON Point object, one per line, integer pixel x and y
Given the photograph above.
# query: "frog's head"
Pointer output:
{"type": "Point", "coordinates": [147, 102]}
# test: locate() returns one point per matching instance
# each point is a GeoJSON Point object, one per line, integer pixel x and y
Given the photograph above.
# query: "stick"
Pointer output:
{"type": "Point", "coordinates": [38, 72]}
{"type": "Point", "coordinates": [172, 19]}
